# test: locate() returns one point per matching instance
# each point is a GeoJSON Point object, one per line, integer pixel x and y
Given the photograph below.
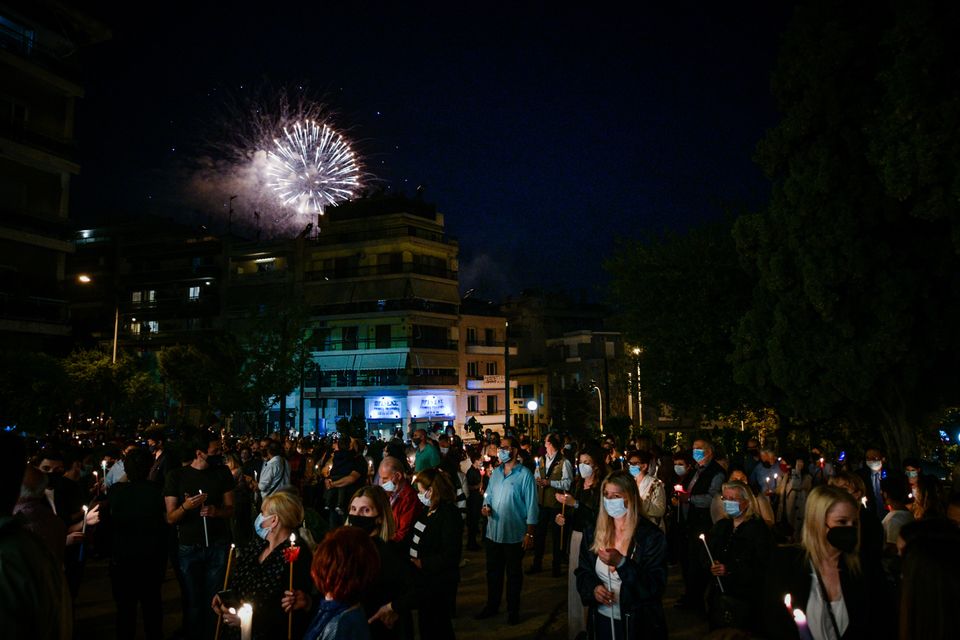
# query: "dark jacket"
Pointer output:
{"type": "Point", "coordinates": [789, 572]}
{"type": "Point", "coordinates": [644, 577]}
{"type": "Point", "coordinates": [438, 548]}
{"type": "Point", "coordinates": [744, 552]}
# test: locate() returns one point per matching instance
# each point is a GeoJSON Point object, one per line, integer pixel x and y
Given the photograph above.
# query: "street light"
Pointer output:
{"type": "Point", "coordinates": [636, 354]}
{"type": "Point", "coordinates": [85, 279]}
{"type": "Point", "coordinates": [600, 398]}
{"type": "Point", "coordinates": [532, 408]}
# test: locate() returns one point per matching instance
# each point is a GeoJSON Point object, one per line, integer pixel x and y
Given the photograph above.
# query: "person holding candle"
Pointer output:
{"type": "Point", "coordinates": [138, 561]}
{"type": "Point", "coordinates": [579, 511]}
{"type": "Point", "coordinates": [474, 480]}
{"type": "Point", "coordinates": [435, 551]}
{"type": "Point", "coordinates": [260, 574]}
{"type": "Point", "coordinates": [622, 569]}
{"type": "Point", "coordinates": [740, 544]}
{"type": "Point", "coordinates": [871, 528]}
{"type": "Point", "coordinates": [403, 498]}
{"type": "Point", "coordinates": [202, 559]}
{"type": "Point", "coordinates": [699, 491]}
{"type": "Point", "coordinates": [653, 497]}
{"type": "Point", "coordinates": [553, 473]}
{"type": "Point", "coordinates": [827, 582]}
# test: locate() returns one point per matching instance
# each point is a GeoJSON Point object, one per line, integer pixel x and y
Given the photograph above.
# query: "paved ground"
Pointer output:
{"type": "Point", "coordinates": [543, 611]}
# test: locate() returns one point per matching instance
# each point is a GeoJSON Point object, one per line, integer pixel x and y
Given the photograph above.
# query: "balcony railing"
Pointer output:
{"type": "Point", "coordinates": [371, 379]}
{"type": "Point", "coordinates": [361, 344]}
{"type": "Point", "coordinates": [382, 270]}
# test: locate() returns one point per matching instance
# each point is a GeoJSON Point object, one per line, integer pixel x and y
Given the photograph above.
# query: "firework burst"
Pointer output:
{"type": "Point", "coordinates": [312, 166]}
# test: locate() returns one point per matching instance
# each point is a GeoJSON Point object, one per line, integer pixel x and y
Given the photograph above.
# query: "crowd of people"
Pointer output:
{"type": "Point", "coordinates": [345, 538]}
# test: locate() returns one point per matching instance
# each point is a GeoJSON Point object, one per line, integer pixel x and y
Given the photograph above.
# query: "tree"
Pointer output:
{"type": "Point", "coordinates": [857, 299]}
{"type": "Point", "coordinates": [680, 297]}
{"type": "Point", "coordinates": [33, 390]}
{"type": "Point", "coordinates": [125, 390]}
{"type": "Point", "coordinates": [190, 373]}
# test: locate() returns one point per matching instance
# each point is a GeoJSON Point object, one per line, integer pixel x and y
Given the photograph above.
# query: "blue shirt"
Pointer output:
{"type": "Point", "coordinates": [513, 499]}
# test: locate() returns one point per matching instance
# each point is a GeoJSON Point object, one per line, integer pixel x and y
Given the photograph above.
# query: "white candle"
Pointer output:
{"type": "Point", "coordinates": [246, 622]}
{"type": "Point", "coordinates": [703, 539]}
{"type": "Point", "coordinates": [206, 536]}
{"type": "Point", "coordinates": [83, 529]}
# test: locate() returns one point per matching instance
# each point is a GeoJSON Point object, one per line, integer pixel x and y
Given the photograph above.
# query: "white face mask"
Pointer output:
{"type": "Point", "coordinates": [585, 470]}
{"type": "Point", "coordinates": [615, 507]}
{"type": "Point", "coordinates": [875, 465]}
{"type": "Point", "coordinates": [389, 486]}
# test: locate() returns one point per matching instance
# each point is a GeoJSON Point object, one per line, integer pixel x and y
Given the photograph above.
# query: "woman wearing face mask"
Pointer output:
{"type": "Point", "coordinates": [581, 508]}
{"type": "Point", "coordinates": [824, 576]}
{"type": "Point", "coordinates": [370, 510]}
{"type": "Point", "coordinates": [741, 544]}
{"type": "Point", "coordinates": [622, 571]}
{"type": "Point", "coordinates": [653, 497]}
{"type": "Point", "coordinates": [435, 550]}
{"type": "Point", "coordinates": [259, 572]}
{"type": "Point", "coordinates": [762, 505]}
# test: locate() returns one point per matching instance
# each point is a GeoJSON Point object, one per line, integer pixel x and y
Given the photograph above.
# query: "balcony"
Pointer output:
{"type": "Point", "coordinates": [362, 344]}
{"type": "Point", "coordinates": [488, 348]}
{"type": "Point", "coordinates": [382, 270]}
{"type": "Point", "coordinates": [344, 379]}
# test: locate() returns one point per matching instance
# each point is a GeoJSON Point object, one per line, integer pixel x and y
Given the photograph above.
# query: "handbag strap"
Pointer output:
{"type": "Point", "coordinates": [826, 602]}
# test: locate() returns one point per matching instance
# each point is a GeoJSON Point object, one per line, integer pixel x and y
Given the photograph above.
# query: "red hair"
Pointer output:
{"type": "Point", "coordinates": [345, 564]}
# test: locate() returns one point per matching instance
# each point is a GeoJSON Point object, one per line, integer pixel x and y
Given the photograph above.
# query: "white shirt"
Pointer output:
{"type": "Point", "coordinates": [611, 580]}
{"type": "Point", "coordinates": [818, 619]}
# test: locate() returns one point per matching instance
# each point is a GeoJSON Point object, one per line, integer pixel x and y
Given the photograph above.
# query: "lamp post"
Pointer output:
{"type": "Point", "coordinates": [85, 279]}
{"type": "Point", "coordinates": [532, 408]}
{"type": "Point", "coordinates": [600, 398]}
{"type": "Point", "coordinates": [636, 354]}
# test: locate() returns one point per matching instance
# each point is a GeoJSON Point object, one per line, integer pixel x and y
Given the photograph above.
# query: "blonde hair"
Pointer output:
{"type": "Point", "coordinates": [605, 536]}
{"type": "Point", "coordinates": [286, 506]}
{"type": "Point", "coordinates": [819, 503]}
{"type": "Point", "coordinates": [753, 509]}
{"type": "Point", "coordinates": [381, 501]}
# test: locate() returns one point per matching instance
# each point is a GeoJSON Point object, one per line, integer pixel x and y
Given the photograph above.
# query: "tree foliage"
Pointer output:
{"type": "Point", "coordinates": [680, 297]}
{"type": "Point", "coordinates": [125, 390]}
{"type": "Point", "coordinates": [33, 389]}
{"type": "Point", "coordinates": [854, 312]}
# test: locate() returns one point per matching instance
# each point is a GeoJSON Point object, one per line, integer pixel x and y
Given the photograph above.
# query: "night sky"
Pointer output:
{"type": "Point", "coordinates": [543, 134]}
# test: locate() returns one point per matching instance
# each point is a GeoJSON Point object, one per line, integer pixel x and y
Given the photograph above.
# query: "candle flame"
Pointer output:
{"type": "Point", "coordinates": [703, 537]}
{"type": "Point", "coordinates": [84, 508]}
{"type": "Point", "coordinates": [788, 600]}
{"type": "Point", "coordinates": [799, 617]}
{"type": "Point", "coordinates": [293, 538]}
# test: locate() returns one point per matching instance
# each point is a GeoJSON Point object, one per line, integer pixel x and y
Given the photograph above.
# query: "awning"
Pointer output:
{"type": "Point", "coordinates": [335, 362]}
{"type": "Point", "coordinates": [389, 361]}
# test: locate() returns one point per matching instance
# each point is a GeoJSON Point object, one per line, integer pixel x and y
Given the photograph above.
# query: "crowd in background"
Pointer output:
{"type": "Point", "coordinates": [344, 538]}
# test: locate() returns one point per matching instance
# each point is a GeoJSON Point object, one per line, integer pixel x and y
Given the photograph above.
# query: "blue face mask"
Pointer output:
{"type": "Point", "coordinates": [585, 470]}
{"type": "Point", "coordinates": [698, 454]}
{"type": "Point", "coordinates": [634, 470]}
{"type": "Point", "coordinates": [503, 455]}
{"type": "Point", "coordinates": [389, 486]}
{"type": "Point", "coordinates": [615, 507]}
{"type": "Point", "coordinates": [679, 469]}
{"type": "Point", "coordinates": [731, 508]}
{"type": "Point", "coordinates": [424, 498]}
{"type": "Point", "coordinates": [262, 531]}
{"type": "Point", "coordinates": [912, 474]}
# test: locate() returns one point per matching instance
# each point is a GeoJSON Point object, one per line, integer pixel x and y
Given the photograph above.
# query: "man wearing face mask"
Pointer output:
{"type": "Point", "coordinates": [700, 487]}
{"type": "Point", "coordinates": [553, 473]}
{"type": "Point", "coordinates": [873, 473]}
{"type": "Point", "coordinates": [199, 501]}
{"type": "Point", "coordinates": [161, 461]}
{"type": "Point", "coordinates": [276, 470]}
{"type": "Point", "coordinates": [403, 498]}
{"type": "Point", "coordinates": [428, 455]}
{"type": "Point", "coordinates": [510, 505]}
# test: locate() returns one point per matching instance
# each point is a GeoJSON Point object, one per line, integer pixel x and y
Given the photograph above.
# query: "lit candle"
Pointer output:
{"type": "Point", "coordinates": [246, 622]}
{"type": "Point", "coordinates": [863, 501]}
{"type": "Point", "coordinates": [678, 488]}
{"type": "Point", "coordinates": [703, 539]}
{"type": "Point", "coordinates": [83, 529]}
{"type": "Point", "coordinates": [103, 465]}
{"type": "Point", "coordinates": [799, 619]}
{"type": "Point", "coordinates": [206, 536]}
{"type": "Point", "coordinates": [293, 557]}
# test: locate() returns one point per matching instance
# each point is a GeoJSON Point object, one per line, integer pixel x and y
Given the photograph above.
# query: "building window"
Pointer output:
{"type": "Point", "coordinates": [150, 296]}
{"type": "Point", "coordinates": [491, 404]}
{"type": "Point", "coordinates": [349, 338]}
{"type": "Point", "coordinates": [135, 328]}
{"type": "Point", "coordinates": [194, 293]}
{"type": "Point", "coordinates": [383, 336]}
{"type": "Point", "coordinates": [490, 337]}
{"type": "Point", "coordinates": [153, 326]}
{"type": "Point", "coordinates": [472, 403]}
{"type": "Point", "coordinates": [193, 324]}
{"type": "Point", "coordinates": [471, 335]}
{"type": "Point", "coordinates": [472, 370]}
{"type": "Point", "coordinates": [136, 296]}
{"type": "Point", "coordinates": [491, 368]}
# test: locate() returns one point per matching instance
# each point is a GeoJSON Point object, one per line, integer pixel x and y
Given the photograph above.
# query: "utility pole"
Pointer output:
{"type": "Point", "coordinates": [506, 376]}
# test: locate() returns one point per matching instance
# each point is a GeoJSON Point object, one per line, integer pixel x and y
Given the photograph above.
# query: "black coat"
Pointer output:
{"type": "Point", "coordinates": [744, 552]}
{"type": "Point", "coordinates": [643, 576]}
{"type": "Point", "coordinates": [789, 572]}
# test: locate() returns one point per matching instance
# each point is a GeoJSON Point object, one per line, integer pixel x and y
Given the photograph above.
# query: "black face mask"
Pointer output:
{"type": "Point", "coordinates": [54, 479]}
{"type": "Point", "coordinates": [843, 538]}
{"type": "Point", "coordinates": [364, 523]}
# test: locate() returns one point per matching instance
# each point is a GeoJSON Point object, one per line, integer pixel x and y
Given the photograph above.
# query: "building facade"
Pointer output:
{"type": "Point", "coordinates": [39, 87]}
